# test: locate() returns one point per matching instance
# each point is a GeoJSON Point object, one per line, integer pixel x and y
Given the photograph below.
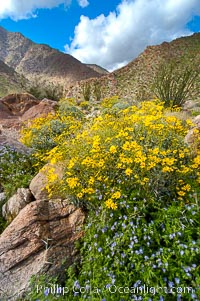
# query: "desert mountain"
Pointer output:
{"type": "Point", "coordinates": [134, 81]}
{"type": "Point", "coordinates": [41, 61]}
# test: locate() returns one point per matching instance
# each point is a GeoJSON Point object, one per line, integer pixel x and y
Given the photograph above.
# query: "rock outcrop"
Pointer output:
{"type": "Point", "coordinates": [4, 111]}
{"type": "Point", "coordinates": [15, 109]}
{"type": "Point", "coordinates": [9, 138]}
{"type": "Point", "coordinates": [17, 104]}
{"type": "Point", "coordinates": [18, 108]}
{"type": "Point", "coordinates": [12, 107]}
{"type": "Point", "coordinates": [193, 136]}
{"type": "Point", "coordinates": [196, 121]}
{"type": "Point", "coordinates": [40, 240]}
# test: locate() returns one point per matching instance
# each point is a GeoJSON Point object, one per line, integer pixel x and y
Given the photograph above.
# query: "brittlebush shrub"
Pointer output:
{"type": "Point", "coordinates": [109, 102]}
{"type": "Point", "coordinates": [44, 134]}
{"type": "Point", "coordinates": [68, 107]}
{"type": "Point", "coordinates": [139, 150]}
{"type": "Point", "coordinates": [142, 182]}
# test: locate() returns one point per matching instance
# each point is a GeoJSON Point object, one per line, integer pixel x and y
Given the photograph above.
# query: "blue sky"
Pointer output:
{"type": "Point", "coordinates": [109, 33]}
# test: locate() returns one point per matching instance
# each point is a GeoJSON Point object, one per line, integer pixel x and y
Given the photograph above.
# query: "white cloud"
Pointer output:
{"type": "Point", "coordinates": [83, 3]}
{"type": "Point", "coordinates": [23, 9]}
{"type": "Point", "coordinates": [114, 40]}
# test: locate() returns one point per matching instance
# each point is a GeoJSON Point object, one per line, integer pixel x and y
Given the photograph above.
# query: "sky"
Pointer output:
{"type": "Point", "coordinates": [109, 33]}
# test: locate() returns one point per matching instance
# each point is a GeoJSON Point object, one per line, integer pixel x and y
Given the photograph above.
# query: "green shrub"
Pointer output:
{"type": "Point", "coordinates": [176, 82]}
{"type": "Point", "coordinates": [66, 109]}
{"type": "Point", "coordinates": [86, 91]}
{"type": "Point", "coordinates": [44, 138]}
{"type": "Point", "coordinates": [97, 91]}
{"type": "Point", "coordinates": [116, 107]}
{"type": "Point", "coordinates": [109, 102]}
{"type": "Point", "coordinates": [85, 105]}
{"type": "Point", "coordinates": [43, 89]}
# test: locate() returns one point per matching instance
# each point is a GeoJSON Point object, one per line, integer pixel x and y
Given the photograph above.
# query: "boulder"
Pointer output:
{"type": "Point", "coordinates": [194, 134]}
{"type": "Point", "coordinates": [38, 186]}
{"type": "Point", "coordinates": [196, 121]}
{"type": "Point", "coordinates": [40, 181]}
{"type": "Point", "coordinates": [9, 138]}
{"type": "Point", "coordinates": [45, 107]}
{"type": "Point", "coordinates": [16, 203]}
{"type": "Point", "coordinates": [190, 104]}
{"type": "Point", "coordinates": [40, 240]}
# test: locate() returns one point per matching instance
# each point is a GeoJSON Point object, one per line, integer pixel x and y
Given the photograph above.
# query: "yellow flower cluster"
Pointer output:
{"type": "Point", "coordinates": [44, 133]}
{"type": "Point", "coordinates": [140, 148]}
{"type": "Point", "coordinates": [72, 182]}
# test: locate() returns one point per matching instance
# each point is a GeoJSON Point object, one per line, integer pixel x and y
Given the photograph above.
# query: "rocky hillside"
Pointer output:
{"type": "Point", "coordinates": [41, 61]}
{"type": "Point", "coordinates": [134, 81]}
{"type": "Point", "coordinates": [98, 69]}
{"type": "Point", "coordinates": [10, 81]}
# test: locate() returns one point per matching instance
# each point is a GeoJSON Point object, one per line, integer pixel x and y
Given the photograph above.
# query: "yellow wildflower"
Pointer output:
{"type": "Point", "coordinates": [181, 193]}
{"type": "Point", "coordinates": [91, 180]}
{"type": "Point", "coordinates": [128, 171]}
{"type": "Point", "coordinates": [71, 163]}
{"type": "Point", "coordinates": [187, 187]}
{"type": "Point", "coordinates": [101, 163]}
{"type": "Point", "coordinates": [89, 190]}
{"type": "Point", "coordinates": [116, 195]}
{"type": "Point", "coordinates": [110, 204]}
{"type": "Point", "coordinates": [79, 195]}
{"type": "Point", "coordinates": [167, 169]}
{"type": "Point", "coordinates": [113, 149]}
{"type": "Point", "coordinates": [142, 165]}
{"type": "Point", "coordinates": [72, 182]}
